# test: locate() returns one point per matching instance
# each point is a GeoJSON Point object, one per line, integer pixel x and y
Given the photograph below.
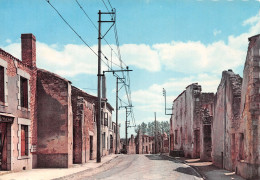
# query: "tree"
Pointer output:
{"type": "Point", "coordinates": [165, 127]}
{"type": "Point", "coordinates": [149, 129]}
{"type": "Point", "coordinates": [142, 127]}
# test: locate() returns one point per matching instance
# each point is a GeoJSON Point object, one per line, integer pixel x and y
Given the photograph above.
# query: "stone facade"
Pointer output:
{"type": "Point", "coordinates": [226, 126]}
{"type": "Point", "coordinates": [54, 132]}
{"type": "Point", "coordinates": [248, 152]}
{"type": "Point", "coordinates": [226, 120]}
{"type": "Point", "coordinates": [84, 128]}
{"type": "Point", "coordinates": [107, 127]}
{"type": "Point", "coordinates": [131, 149]}
{"type": "Point", "coordinates": [186, 121]}
{"type": "Point", "coordinates": [17, 107]}
{"type": "Point", "coordinates": [36, 117]}
{"type": "Point", "coordinates": [190, 131]}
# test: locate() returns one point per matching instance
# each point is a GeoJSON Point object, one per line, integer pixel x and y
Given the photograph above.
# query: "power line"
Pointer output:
{"type": "Point", "coordinates": [106, 7]}
{"type": "Point", "coordinates": [110, 4]}
{"type": "Point", "coordinates": [117, 42]}
{"type": "Point", "coordinates": [66, 22]}
{"type": "Point", "coordinates": [97, 30]}
{"type": "Point", "coordinates": [71, 28]}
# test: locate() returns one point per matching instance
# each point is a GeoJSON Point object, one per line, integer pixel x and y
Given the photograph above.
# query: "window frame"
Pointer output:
{"type": "Point", "coordinates": [25, 75]}
{"type": "Point", "coordinates": [3, 64]}
{"type": "Point", "coordinates": [24, 122]}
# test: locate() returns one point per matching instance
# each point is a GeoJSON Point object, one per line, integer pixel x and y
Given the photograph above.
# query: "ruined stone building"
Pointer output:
{"type": "Point", "coordinates": [248, 139]}
{"type": "Point", "coordinates": [108, 131]}
{"type": "Point", "coordinates": [188, 133]}
{"type": "Point", "coordinates": [226, 127]}
{"type": "Point", "coordinates": [84, 126]}
{"type": "Point", "coordinates": [54, 121]}
{"type": "Point", "coordinates": [131, 149]}
{"type": "Point", "coordinates": [226, 120]}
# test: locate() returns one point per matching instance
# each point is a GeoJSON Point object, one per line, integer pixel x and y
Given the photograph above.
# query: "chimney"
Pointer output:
{"type": "Point", "coordinates": [28, 49]}
{"type": "Point", "coordinates": [104, 87]}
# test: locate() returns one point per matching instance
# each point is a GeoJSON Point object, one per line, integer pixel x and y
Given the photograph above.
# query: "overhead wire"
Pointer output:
{"type": "Point", "coordinates": [127, 85]}
{"type": "Point", "coordinates": [97, 30]}
{"type": "Point", "coordinates": [71, 27]}
{"type": "Point", "coordinates": [66, 22]}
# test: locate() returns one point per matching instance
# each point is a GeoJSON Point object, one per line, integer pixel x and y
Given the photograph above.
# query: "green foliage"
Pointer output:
{"type": "Point", "coordinates": [149, 129]}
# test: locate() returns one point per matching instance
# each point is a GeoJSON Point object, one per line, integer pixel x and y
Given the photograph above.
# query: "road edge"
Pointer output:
{"type": "Point", "coordinates": [198, 172]}
{"type": "Point", "coordinates": [84, 171]}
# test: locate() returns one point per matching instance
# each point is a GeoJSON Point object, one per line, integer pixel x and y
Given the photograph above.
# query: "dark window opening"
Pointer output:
{"type": "Point", "coordinates": [2, 84]}
{"type": "Point", "coordinates": [106, 119]}
{"type": "Point", "coordinates": [241, 147]}
{"type": "Point", "coordinates": [24, 92]}
{"type": "Point", "coordinates": [24, 140]}
{"type": "Point", "coordinates": [176, 136]}
{"type": "Point", "coordinates": [103, 140]}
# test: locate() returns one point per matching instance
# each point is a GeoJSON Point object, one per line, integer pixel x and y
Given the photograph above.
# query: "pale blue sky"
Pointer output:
{"type": "Point", "coordinates": [168, 43]}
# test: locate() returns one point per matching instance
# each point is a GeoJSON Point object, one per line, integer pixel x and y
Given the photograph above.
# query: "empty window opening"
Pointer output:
{"type": "Point", "coordinates": [24, 92]}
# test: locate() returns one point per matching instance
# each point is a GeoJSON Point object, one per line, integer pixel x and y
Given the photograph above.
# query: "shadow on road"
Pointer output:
{"type": "Point", "coordinates": [186, 170]}
{"type": "Point", "coordinates": [160, 157]}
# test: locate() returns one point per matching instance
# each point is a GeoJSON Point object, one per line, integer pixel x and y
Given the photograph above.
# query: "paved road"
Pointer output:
{"type": "Point", "coordinates": [141, 167]}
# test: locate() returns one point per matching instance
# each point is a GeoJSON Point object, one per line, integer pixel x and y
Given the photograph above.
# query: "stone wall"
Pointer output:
{"type": "Point", "coordinates": [226, 120]}
{"type": "Point", "coordinates": [26, 116]}
{"type": "Point", "coordinates": [131, 149]}
{"type": "Point", "coordinates": [83, 130]}
{"type": "Point", "coordinates": [54, 127]}
{"type": "Point", "coordinates": [207, 109]}
{"type": "Point", "coordinates": [186, 121]}
{"type": "Point", "coordinates": [249, 137]}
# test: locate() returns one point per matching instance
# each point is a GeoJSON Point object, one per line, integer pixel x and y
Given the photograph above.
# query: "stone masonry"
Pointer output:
{"type": "Point", "coordinates": [54, 132]}
{"type": "Point", "coordinates": [226, 120]}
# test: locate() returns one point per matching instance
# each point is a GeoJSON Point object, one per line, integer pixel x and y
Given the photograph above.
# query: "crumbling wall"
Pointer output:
{"type": "Point", "coordinates": [207, 109]}
{"type": "Point", "coordinates": [54, 128]}
{"type": "Point", "coordinates": [84, 127]}
{"type": "Point", "coordinates": [249, 140]}
{"type": "Point", "coordinates": [186, 121]}
{"type": "Point", "coordinates": [131, 145]}
{"type": "Point", "coordinates": [226, 120]}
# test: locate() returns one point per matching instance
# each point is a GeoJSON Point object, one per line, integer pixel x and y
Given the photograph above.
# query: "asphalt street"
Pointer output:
{"type": "Point", "coordinates": [141, 167]}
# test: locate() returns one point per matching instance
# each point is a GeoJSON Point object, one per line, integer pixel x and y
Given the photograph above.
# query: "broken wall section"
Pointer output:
{"type": "Point", "coordinates": [207, 110]}
{"type": "Point", "coordinates": [226, 121]}
{"type": "Point", "coordinates": [249, 147]}
{"type": "Point", "coordinates": [185, 123]}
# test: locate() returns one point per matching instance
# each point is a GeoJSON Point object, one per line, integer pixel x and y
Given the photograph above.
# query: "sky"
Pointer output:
{"type": "Point", "coordinates": [167, 43]}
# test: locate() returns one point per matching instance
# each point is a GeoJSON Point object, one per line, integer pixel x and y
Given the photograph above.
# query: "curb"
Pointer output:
{"type": "Point", "coordinates": [195, 169]}
{"type": "Point", "coordinates": [83, 171]}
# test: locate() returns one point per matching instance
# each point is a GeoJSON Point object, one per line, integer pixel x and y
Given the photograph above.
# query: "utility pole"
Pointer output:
{"type": "Point", "coordinates": [116, 112]}
{"type": "Point", "coordinates": [99, 83]}
{"type": "Point", "coordinates": [117, 90]}
{"type": "Point", "coordinates": [126, 122]}
{"type": "Point", "coordinates": [99, 90]}
{"type": "Point", "coordinates": [155, 134]}
{"type": "Point", "coordinates": [126, 143]}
